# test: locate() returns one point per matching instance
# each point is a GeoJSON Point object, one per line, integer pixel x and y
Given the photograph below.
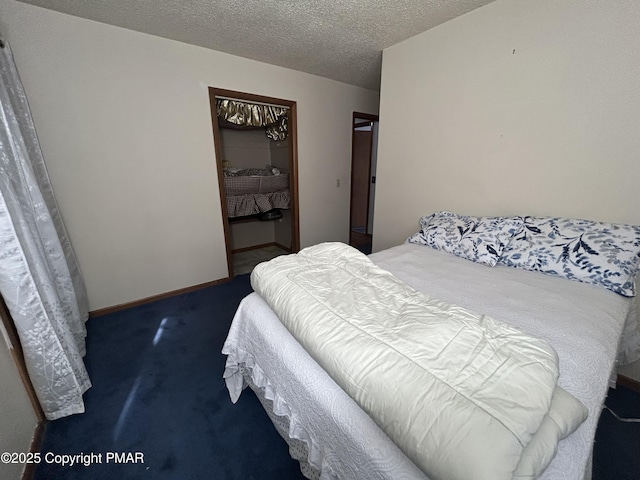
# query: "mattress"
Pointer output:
{"type": "Point", "coordinates": [246, 184]}
{"type": "Point", "coordinates": [254, 203]}
{"type": "Point", "coordinates": [253, 191]}
{"type": "Point", "coordinates": [583, 323]}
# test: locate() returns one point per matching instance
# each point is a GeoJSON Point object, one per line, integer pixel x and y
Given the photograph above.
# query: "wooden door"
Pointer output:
{"type": "Point", "coordinates": [360, 232]}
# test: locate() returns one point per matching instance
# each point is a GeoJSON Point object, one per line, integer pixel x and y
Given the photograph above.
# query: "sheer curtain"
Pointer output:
{"type": "Point", "coordinates": [39, 276]}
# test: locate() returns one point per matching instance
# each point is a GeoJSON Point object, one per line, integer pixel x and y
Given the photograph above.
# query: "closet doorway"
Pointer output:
{"type": "Point", "coordinates": [364, 148]}
{"type": "Point", "coordinates": [255, 139]}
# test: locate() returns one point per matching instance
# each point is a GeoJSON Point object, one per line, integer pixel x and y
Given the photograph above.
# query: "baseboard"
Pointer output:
{"type": "Point", "coordinates": [629, 383]}
{"type": "Point", "coordinates": [262, 245]}
{"type": "Point", "coordinates": [105, 311]}
{"type": "Point", "coordinates": [36, 445]}
{"type": "Point", "coordinates": [286, 249]}
{"type": "Point", "coordinates": [123, 306]}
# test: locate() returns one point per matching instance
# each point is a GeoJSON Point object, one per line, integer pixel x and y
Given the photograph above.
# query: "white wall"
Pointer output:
{"type": "Point", "coordinates": [18, 419]}
{"type": "Point", "coordinates": [280, 158]}
{"type": "Point", "coordinates": [249, 234]}
{"type": "Point", "coordinates": [631, 371]}
{"type": "Point", "coordinates": [245, 148]}
{"type": "Point", "coordinates": [517, 107]}
{"type": "Point", "coordinates": [125, 126]}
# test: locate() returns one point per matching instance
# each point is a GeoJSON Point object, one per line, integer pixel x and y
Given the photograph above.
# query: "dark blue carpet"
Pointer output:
{"type": "Point", "coordinates": [617, 450]}
{"type": "Point", "coordinates": [158, 390]}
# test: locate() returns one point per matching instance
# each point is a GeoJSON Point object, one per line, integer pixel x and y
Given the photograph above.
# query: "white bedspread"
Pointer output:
{"type": "Point", "coordinates": [463, 396]}
{"type": "Point", "coordinates": [582, 322]}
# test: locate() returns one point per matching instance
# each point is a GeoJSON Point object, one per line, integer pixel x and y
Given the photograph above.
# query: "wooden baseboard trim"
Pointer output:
{"type": "Point", "coordinates": [262, 245]}
{"type": "Point", "coordinates": [117, 308]}
{"type": "Point", "coordinates": [36, 445]}
{"type": "Point", "coordinates": [629, 383]}
{"type": "Point", "coordinates": [254, 247]}
{"type": "Point", "coordinates": [286, 249]}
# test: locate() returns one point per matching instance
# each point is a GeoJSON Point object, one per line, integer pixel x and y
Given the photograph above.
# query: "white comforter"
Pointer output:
{"type": "Point", "coordinates": [463, 396]}
{"type": "Point", "coordinates": [582, 322]}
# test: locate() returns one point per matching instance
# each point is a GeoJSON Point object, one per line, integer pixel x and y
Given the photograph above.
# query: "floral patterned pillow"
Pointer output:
{"type": "Point", "coordinates": [605, 254]}
{"type": "Point", "coordinates": [479, 239]}
{"type": "Point", "coordinates": [418, 238]}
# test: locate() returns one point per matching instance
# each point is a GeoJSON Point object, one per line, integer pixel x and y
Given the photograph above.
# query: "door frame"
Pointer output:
{"type": "Point", "coordinates": [370, 118]}
{"type": "Point", "coordinates": [292, 119]}
{"type": "Point", "coordinates": [18, 357]}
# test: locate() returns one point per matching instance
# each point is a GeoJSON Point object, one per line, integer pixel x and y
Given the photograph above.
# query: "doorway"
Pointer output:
{"type": "Point", "coordinates": [255, 140]}
{"type": "Point", "coordinates": [363, 179]}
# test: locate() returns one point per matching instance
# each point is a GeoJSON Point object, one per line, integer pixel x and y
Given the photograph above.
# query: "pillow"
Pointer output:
{"type": "Point", "coordinates": [418, 238]}
{"type": "Point", "coordinates": [479, 239]}
{"type": "Point", "coordinates": [598, 253]}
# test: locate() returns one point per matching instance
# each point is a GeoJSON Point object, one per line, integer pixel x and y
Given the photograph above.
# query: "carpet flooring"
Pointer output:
{"type": "Point", "coordinates": [158, 389]}
{"type": "Point", "coordinates": [616, 453]}
{"type": "Point", "coordinates": [158, 394]}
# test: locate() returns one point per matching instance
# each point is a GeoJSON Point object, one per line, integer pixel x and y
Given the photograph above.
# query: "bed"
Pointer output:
{"type": "Point", "coordinates": [251, 191]}
{"type": "Point", "coordinates": [591, 328]}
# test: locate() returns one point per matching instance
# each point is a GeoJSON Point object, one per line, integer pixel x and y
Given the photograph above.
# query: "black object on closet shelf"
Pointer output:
{"type": "Point", "coordinates": [270, 215]}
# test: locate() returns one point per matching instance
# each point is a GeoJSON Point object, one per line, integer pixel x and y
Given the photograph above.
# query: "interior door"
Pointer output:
{"type": "Point", "coordinates": [363, 153]}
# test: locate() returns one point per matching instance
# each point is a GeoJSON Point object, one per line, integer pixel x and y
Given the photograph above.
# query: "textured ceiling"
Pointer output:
{"type": "Point", "coordinates": [338, 39]}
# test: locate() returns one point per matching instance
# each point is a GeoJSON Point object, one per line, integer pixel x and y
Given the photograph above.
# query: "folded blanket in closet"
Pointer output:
{"type": "Point", "coordinates": [464, 397]}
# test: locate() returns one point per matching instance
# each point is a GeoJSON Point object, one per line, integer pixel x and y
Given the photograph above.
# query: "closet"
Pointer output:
{"type": "Point", "coordinates": [255, 142]}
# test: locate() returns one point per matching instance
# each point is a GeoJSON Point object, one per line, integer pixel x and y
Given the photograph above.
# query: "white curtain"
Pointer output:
{"type": "Point", "coordinates": [39, 276]}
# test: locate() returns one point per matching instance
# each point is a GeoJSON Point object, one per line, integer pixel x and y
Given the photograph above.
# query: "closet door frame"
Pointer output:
{"type": "Point", "coordinates": [292, 119]}
{"type": "Point", "coordinates": [15, 347]}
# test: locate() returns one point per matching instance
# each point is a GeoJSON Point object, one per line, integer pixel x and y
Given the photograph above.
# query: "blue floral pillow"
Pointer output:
{"type": "Point", "coordinates": [418, 238]}
{"type": "Point", "coordinates": [605, 254]}
{"type": "Point", "coordinates": [479, 239]}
